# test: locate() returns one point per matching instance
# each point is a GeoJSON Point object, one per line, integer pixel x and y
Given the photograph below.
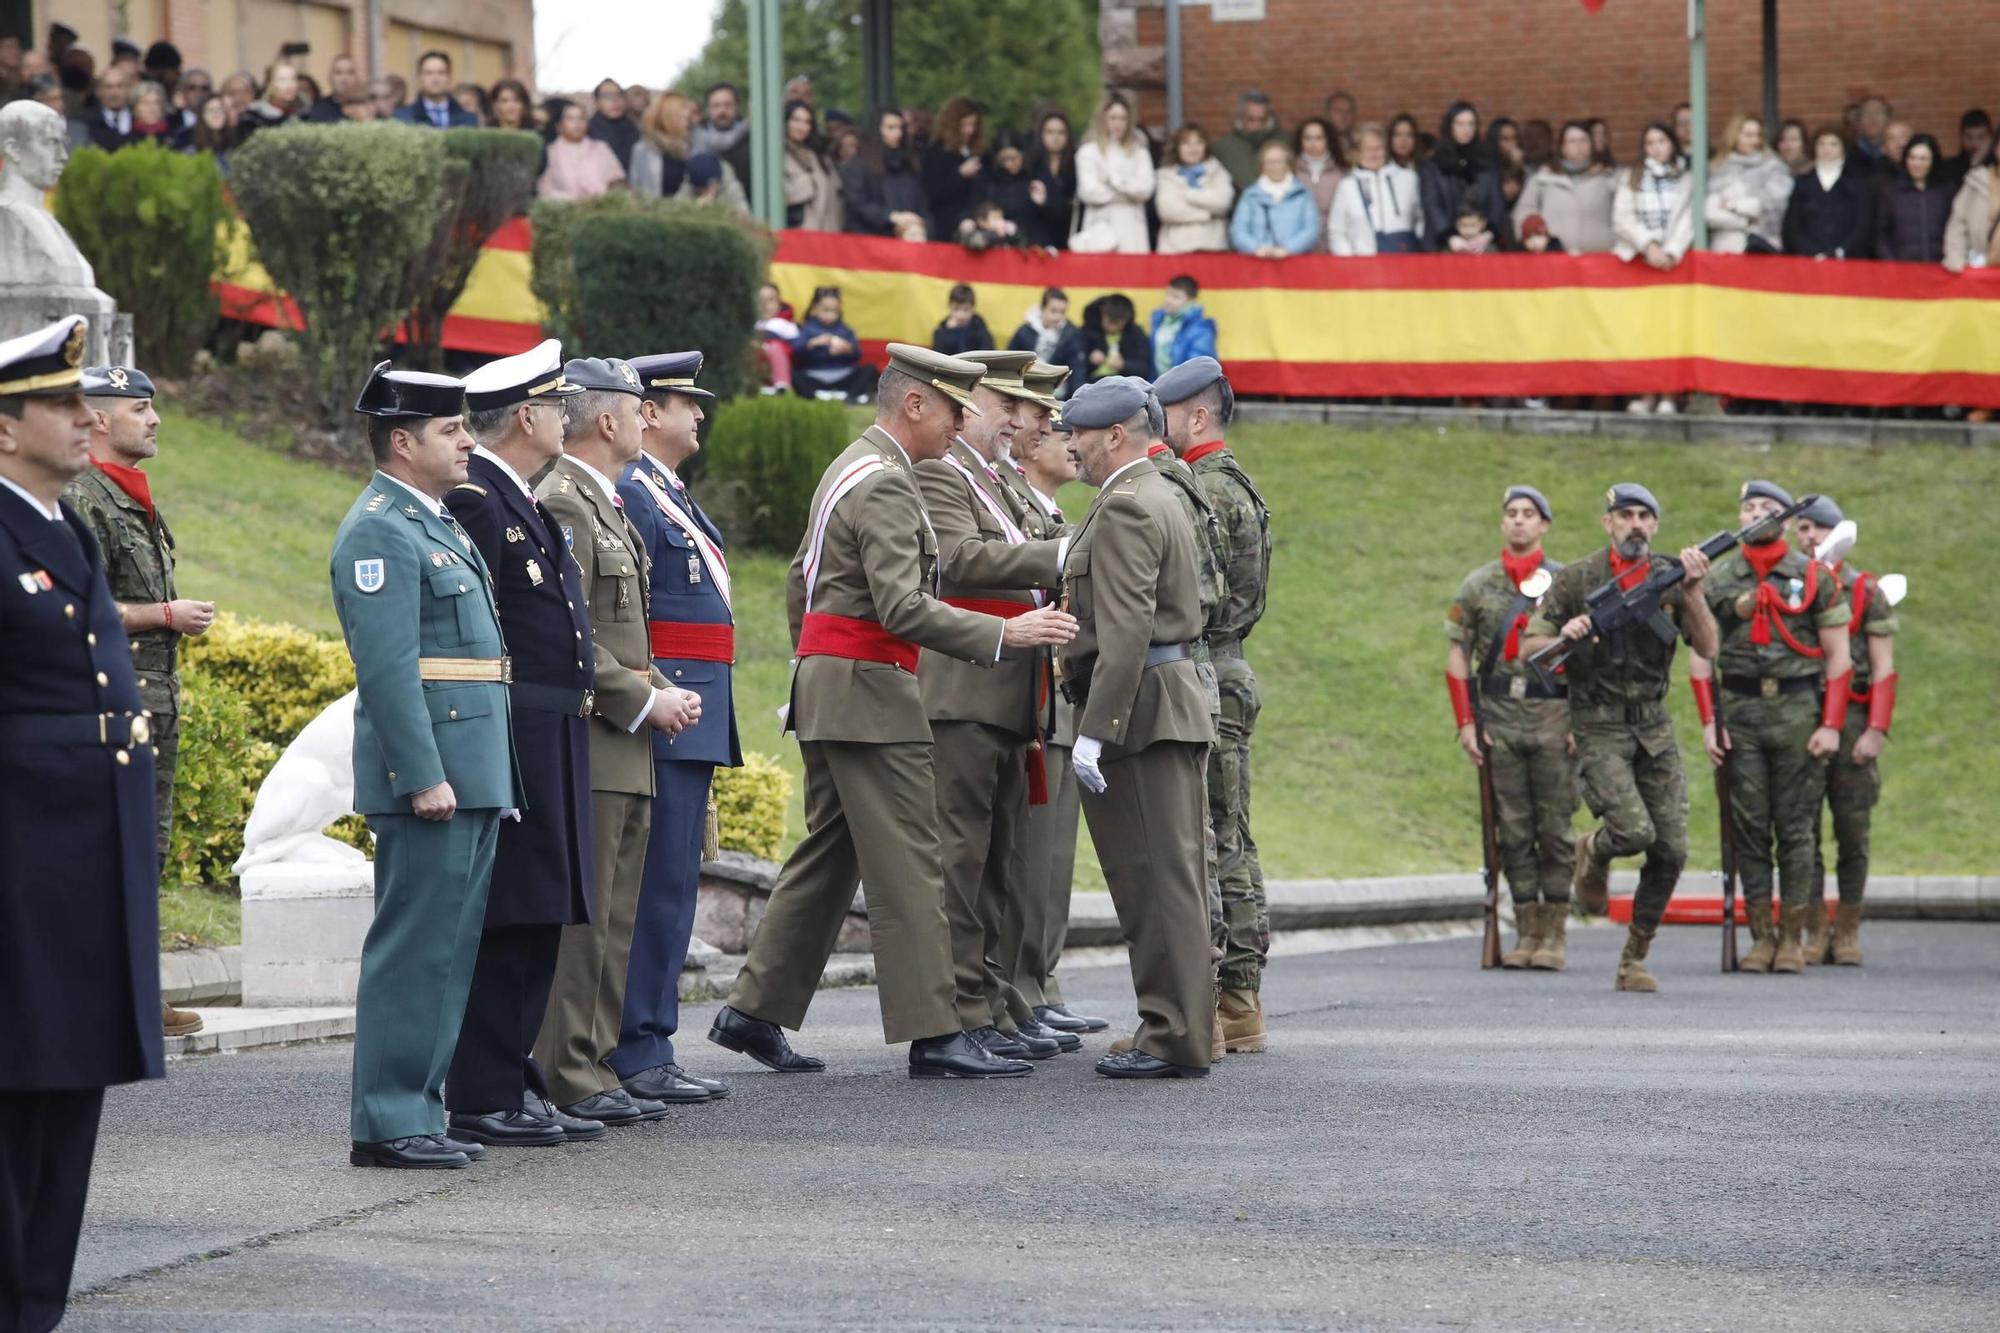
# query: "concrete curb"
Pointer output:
{"type": "Point", "coordinates": [199, 977]}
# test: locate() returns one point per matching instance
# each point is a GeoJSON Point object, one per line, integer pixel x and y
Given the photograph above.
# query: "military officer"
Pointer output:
{"type": "Point", "coordinates": [1031, 936]}
{"type": "Point", "coordinates": [1853, 779]}
{"type": "Point", "coordinates": [79, 904]}
{"type": "Point", "coordinates": [862, 598]}
{"type": "Point", "coordinates": [1144, 725]}
{"type": "Point", "coordinates": [1629, 763]}
{"type": "Point", "coordinates": [114, 496]}
{"type": "Point", "coordinates": [1785, 668]}
{"type": "Point", "coordinates": [433, 759]}
{"type": "Point", "coordinates": [543, 875]}
{"type": "Point", "coordinates": [1525, 731]}
{"type": "Point", "coordinates": [1200, 403]}
{"type": "Point", "coordinates": [984, 717]}
{"type": "Point", "coordinates": [692, 630]}
{"type": "Point", "coordinates": [630, 701]}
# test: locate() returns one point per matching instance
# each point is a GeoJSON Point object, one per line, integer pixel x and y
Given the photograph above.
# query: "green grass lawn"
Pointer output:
{"type": "Point", "coordinates": [1356, 769]}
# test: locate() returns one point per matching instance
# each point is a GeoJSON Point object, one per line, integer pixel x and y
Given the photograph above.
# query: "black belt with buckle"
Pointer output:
{"type": "Point", "coordinates": [1159, 654]}
{"type": "Point", "coordinates": [552, 699]}
{"type": "Point", "coordinates": [117, 730]}
{"type": "Point", "coordinates": [1770, 687]}
{"type": "Point", "coordinates": [1520, 687]}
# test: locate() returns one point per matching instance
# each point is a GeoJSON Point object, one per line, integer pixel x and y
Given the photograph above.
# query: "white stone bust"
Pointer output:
{"type": "Point", "coordinates": [35, 251]}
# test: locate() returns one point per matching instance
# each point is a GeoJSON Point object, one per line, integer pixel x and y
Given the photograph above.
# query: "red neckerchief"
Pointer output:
{"type": "Point", "coordinates": [1518, 568]}
{"type": "Point", "coordinates": [1629, 573]}
{"type": "Point", "coordinates": [131, 481]}
{"type": "Point", "coordinates": [1772, 608]}
{"type": "Point", "coordinates": [1155, 450]}
{"type": "Point", "coordinates": [1200, 451]}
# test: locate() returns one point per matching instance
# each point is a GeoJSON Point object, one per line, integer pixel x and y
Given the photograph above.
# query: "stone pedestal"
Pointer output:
{"type": "Point", "coordinates": [303, 925]}
{"type": "Point", "coordinates": [23, 309]}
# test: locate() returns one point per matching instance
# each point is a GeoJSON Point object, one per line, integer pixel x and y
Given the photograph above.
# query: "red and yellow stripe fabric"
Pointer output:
{"type": "Point", "coordinates": [1430, 326]}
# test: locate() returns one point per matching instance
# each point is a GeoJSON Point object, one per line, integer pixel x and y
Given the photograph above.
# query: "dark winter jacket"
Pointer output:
{"type": "Point", "coordinates": [1840, 221]}
{"type": "Point", "coordinates": [1454, 173]}
{"type": "Point", "coordinates": [1913, 222]}
{"type": "Point", "coordinates": [1134, 347]}
{"type": "Point", "coordinates": [951, 195]}
{"type": "Point", "coordinates": [956, 342]}
{"type": "Point", "coordinates": [1052, 217]}
{"type": "Point", "coordinates": [872, 195]}
{"type": "Point", "coordinates": [1069, 352]}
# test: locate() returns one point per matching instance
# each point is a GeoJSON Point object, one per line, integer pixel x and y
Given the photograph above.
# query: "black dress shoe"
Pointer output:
{"type": "Point", "coordinates": [1070, 1018]}
{"type": "Point", "coordinates": [715, 1087]}
{"type": "Point", "coordinates": [959, 1056]}
{"type": "Point", "coordinates": [506, 1129]}
{"type": "Point", "coordinates": [615, 1108]}
{"type": "Point", "coordinates": [1032, 1046]}
{"type": "Point", "coordinates": [763, 1042]}
{"type": "Point", "coordinates": [575, 1129]}
{"type": "Point", "coordinates": [1002, 1045]}
{"type": "Point", "coordinates": [1065, 1041]}
{"type": "Point", "coordinates": [1137, 1064]}
{"type": "Point", "coordinates": [422, 1152]}
{"type": "Point", "coordinates": [470, 1149]}
{"type": "Point", "coordinates": [661, 1084]}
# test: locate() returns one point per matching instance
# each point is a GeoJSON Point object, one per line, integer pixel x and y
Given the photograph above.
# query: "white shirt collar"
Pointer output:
{"type": "Point", "coordinates": [481, 451]}
{"type": "Point", "coordinates": [435, 506]}
{"type": "Point", "coordinates": [1143, 458]}
{"type": "Point", "coordinates": [51, 512]}
{"type": "Point", "coordinates": [667, 474]}
{"type": "Point", "coordinates": [604, 483]}
{"type": "Point", "coordinates": [1047, 502]}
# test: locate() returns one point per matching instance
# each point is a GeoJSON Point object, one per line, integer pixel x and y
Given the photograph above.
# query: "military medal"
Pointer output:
{"type": "Point", "coordinates": [516, 535]}
{"type": "Point", "coordinates": [694, 567]}
{"type": "Point", "coordinates": [534, 573]}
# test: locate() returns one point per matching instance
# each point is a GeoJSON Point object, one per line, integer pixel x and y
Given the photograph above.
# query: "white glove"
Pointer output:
{"type": "Point", "coordinates": [1083, 758]}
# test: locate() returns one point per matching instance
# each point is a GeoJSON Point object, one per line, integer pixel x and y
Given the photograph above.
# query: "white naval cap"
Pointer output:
{"type": "Point", "coordinates": [535, 373]}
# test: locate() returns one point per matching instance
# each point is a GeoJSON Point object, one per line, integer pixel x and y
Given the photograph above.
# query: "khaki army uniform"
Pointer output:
{"type": "Point", "coordinates": [1769, 701]}
{"type": "Point", "coordinates": [1243, 525]}
{"type": "Point", "coordinates": [138, 552]}
{"type": "Point", "coordinates": [1852, 789]}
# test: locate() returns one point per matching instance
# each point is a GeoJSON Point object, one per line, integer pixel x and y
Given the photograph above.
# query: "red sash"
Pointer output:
{"type": "Point", "coordinates": [825, 635]}
{"type": "Point", "coordinates": [990, 606]}
{"type": "Point", "coordinates": [695, 643]}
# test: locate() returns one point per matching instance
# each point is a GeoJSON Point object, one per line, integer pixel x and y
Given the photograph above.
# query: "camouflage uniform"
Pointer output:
{"type": "Point", "coordinates": [1852, 789]}
{"type": "Point", "coordinates": [1769, 700]}
{"type": "Point", "coordinates": [1534, 778]}
{"type": "Point", "coordinates": [1244, 523]}
{"type": "Point", "coordinates": [139, 564]}
{"type": "Point", "coordinates": [1629, 765]}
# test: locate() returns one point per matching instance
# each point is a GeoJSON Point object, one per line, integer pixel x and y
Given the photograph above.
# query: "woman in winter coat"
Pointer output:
{"type": "Point", "coordinates": [1008, 184]}
{"type": "Point", "coordinates": [1276, 215]}
{"type": "Point", "coordinates": [812, 191]}
{"type": "Point", "coordinates": [1832, 213]}
{"type": "Point", "coordinates": [1972, 233]}
{"type": "Point", "coordinates": [1652, 211]}
{"type": "Point", "coordinates": [1052, 182]}
{"type": "Point", "coordinates": [1915, 207]}
{"type": "Point", "coordinates": [1192, 195]}
{"type": "Point", "coordinates": [1321, 164]}
{"type": "Point", "coordinates": [1376, 209]}
{"type": "Point", "coordinates": [882, 189]}
{"type": "Point", "coordinates": [1459, 170]}
{"type": "Point", "coordinates": [1573, 195]}
{"type": "Point", "coordinates": [953, 165]}
{"type": "Point", "coordinates": [1749, 188]}
{"type": "Point", "coordinates": [1114, 179]}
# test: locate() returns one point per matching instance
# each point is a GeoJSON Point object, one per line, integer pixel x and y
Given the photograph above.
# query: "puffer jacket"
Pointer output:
{"type": "Point", "coordinates": [1970, 229]}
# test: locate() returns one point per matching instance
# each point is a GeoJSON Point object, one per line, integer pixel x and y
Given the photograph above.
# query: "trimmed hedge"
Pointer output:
{"type": "Point", "coordinates": [221, 765]}
{"type": "Point", "coordinates": [489, 178]}
{"type": "Point", "coordinates": [285, 676]}
{"type": "Point", "coordinates": [750, 805]}
{"type": "Point", "coordinates": [766, 455]}
{"type": "Point", "coordinates": [147, 219]}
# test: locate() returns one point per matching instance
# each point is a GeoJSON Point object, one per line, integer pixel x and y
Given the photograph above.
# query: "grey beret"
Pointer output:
{"type": "Point", "coordinates": [1187, 379]}
{"type": "Point", "coordinates": [1768, 490]}
{"type": "Point", "coordinates": [115, 382]}
{"type": "Point", "coordinates": [1541, 502]}
{"type": "Point", "coordinates": [1104, 403]}
{"type": "Point", "coordinates": [1630, 493]}
{"type": "Point", "coordinates": [1823, 511]}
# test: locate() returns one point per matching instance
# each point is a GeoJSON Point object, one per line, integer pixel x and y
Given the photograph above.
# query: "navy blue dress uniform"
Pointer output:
{"type": "Point", "coordinates": [415, 602]}
{"type": "Point", "coordinates": [543, 871]}
{"type": "Point", "coordinates": [79, 917]}
{"type": "Point", "coordinates": [693, 637]}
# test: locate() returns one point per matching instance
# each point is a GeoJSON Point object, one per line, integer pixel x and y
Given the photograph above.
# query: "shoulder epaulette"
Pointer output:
{"type": "Point", "coordinates": [468, 486]}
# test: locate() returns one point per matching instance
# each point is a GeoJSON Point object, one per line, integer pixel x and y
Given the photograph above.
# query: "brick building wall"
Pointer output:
{"type": "Point", "coordinates": [1554, 59]}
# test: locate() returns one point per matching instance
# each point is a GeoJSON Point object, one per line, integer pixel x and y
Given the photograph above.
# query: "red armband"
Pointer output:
{"type": "Point", "coordinates": [1833, 706]}
{"type": "Point", "coordinates": [1461, 699]}
{"type": "Point", "coordinates": [1704, 697]}
{"type": "Point", "coordinates": [1881, 704]}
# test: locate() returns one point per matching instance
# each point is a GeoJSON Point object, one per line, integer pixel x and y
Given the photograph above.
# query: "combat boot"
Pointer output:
{"type": "Point", "coordinates": [1632, 973]}
{"type": "Point", "coordinates": [1527, 935]}
{"type": "Point", "coordinates": [1847, 934]}
{"type": "Point", "coordinates": [1819, 944]}
{"type": "Point", "coordinates": [178, 1022]}
{"type": "Point", "coordinates": [1552, 945]}
{"type": "Point", "coordinates": [1593, 879]}
{"type": "Point", "coordinates": [1764, 939]}
{"type": "Point", "coordinates": [1791, 956]}
{"type": "Point", "coordinates": [1218, 1039]}
{"type": "Point", "coordinates": [1242, 1015]}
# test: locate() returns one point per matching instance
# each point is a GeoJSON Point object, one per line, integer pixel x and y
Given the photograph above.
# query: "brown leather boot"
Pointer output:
{"type": "Point", "coordinates": [1632, 973]}
{"type": "Point", "coordinates": [1847, 934]}
{"type": "Point", "coordinates": [1527, 935]}
{"type": "Point", "coordinates": [1592, 882]}
{"type": "Point", "coordinates": [1819, 943]}
{"type": "Point", "coordinates": [1791, 955]}
{"type": "Point", "coordinates": [1763, 936]}
{"type": "Point", "coordinates": [1242, 1016]}
{"type": "Point", "coordinates": [1552, 946]}
{"type": "Point", "coordinates": [178, 1022]}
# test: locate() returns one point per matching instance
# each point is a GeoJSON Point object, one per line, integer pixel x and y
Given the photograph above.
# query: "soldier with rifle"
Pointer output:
{"type": "Point", "coordinates": [1615, 618]}
{"type": "Point", "coordinates": [1515, 730]}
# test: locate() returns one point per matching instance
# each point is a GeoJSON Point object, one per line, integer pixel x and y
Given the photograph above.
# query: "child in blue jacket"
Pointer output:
{"type": "Point", "coordinates": [1182, 331]}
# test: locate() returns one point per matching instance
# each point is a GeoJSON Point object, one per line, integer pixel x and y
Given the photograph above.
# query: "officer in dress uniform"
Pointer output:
{"type": "Point", "coordinates": [542, 872]}
{"type": "Point", "coordinates": [433, 759]}
{"type": "Point", "coordinates": [862, 598]}
{"type": "Point", "coordinates": [693, 641]}
{"type": "Point", "coordinates": [631, 700]}
{"type": "Point", "coordinates": [1144, 725]}
{"type": "Point", "coordinates": [115, 497]}
{"type": "Point", "coordinates": [79, 902]}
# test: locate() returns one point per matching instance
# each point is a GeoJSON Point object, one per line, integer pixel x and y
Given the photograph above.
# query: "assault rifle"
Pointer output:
{"type": "Point", "coordinates": [1728, 812]}
{"type": "Point", "coordinates": [1613, 610]}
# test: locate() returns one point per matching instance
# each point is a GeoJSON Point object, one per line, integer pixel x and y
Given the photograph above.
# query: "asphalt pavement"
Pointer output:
{"type": "Point", "coordinates": [1425, 1146]}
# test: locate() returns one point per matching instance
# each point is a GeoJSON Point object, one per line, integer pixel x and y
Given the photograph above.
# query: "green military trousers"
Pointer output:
{"type": "Point", "coordinates": [1246, 918]}
{"type": "Point", "coordinates": [167, 751]}
{"type": "Point", "coordinates": [1632, 781]}
{"type": "Point", "coordinates": [1851, 792]}
{"type": "Point", "coordinates": [416, 967]}
{"type": "Point", "coordinates": [1775, 788]}
{"type": "Point", "coordinates": [1534, 795]}
{"type": "Point", "coordinates": [1031, 934]}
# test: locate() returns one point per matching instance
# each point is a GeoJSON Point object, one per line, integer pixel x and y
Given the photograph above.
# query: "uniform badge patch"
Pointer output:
{"type": "Point", "coordinates": [30, 584]}
{"type": "Point", "coordinates": [369, 575]}
{"type": "Point", "coordinates": [569, 536]}
{"type": "Point", "coordinates": [516, 535]}
{"type": "Point", "coordinates": [535, 573]}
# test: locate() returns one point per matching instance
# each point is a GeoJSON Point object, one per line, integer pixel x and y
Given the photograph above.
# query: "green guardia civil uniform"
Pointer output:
{"type": "Point", "coordinates": [416, 607]}
{"type": "Point", "coordinates": [1853, 789]}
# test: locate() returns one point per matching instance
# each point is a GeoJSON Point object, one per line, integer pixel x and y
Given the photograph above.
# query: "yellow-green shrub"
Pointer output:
{"type": "Point", "coordinates": [283, 675]}
{"type": "Point", "coordinates": [222, 764]}
{"type": "Point", "coordinates": [750, 804]}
